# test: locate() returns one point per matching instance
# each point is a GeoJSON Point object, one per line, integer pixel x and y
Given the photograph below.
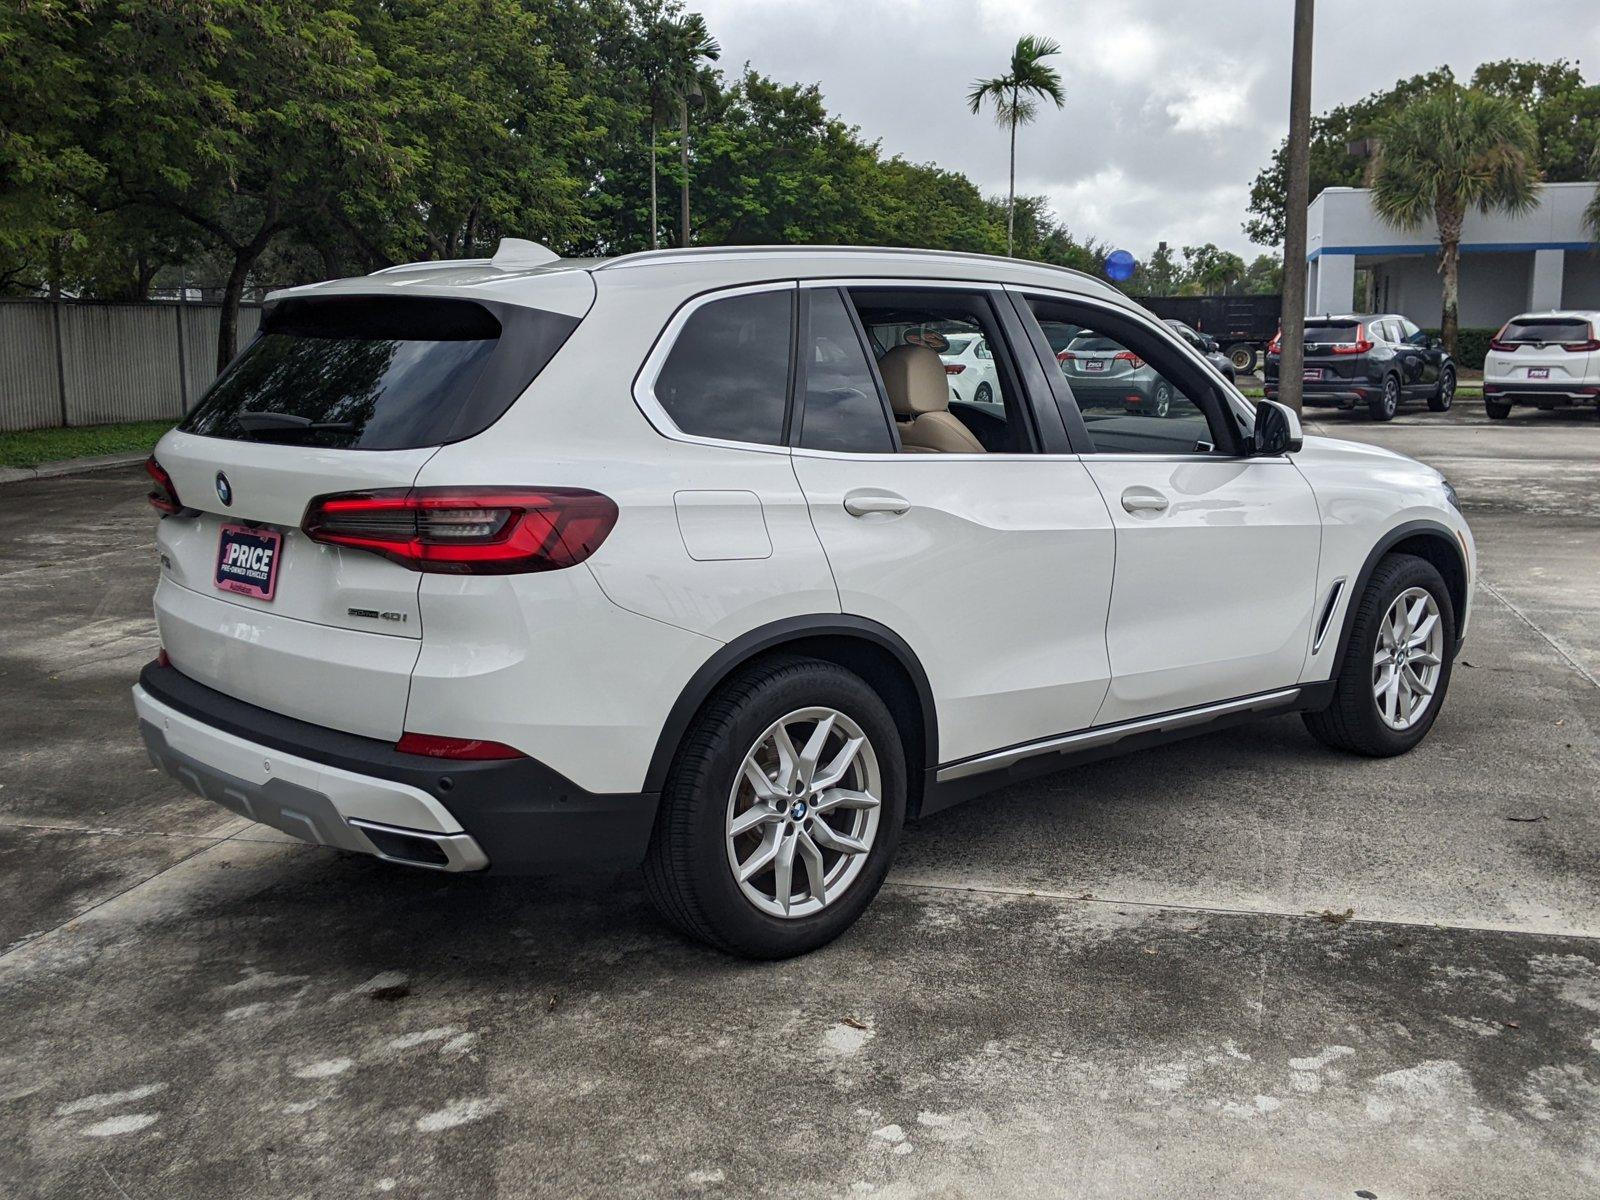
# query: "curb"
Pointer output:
{"type": "Point", "coordinates": [70, 466]}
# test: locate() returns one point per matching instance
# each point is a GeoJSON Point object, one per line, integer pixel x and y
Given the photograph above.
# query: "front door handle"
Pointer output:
{"type": "Point", "coordinates": [1141, 499]}
{"type": "Point", "coordinates": [866, 504]}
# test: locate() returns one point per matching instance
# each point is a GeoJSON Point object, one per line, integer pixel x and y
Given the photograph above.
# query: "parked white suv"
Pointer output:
{"type": "Point", "coordinates": [684, 559]}
{"type": "Point", "coordinates": [1546, 359]}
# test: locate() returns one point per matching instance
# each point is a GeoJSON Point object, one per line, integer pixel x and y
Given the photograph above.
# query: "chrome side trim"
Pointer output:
{"type": "Point", "coordinates": [1327, 614]}
{"type": "Point", "coordinates": [1088, 739]}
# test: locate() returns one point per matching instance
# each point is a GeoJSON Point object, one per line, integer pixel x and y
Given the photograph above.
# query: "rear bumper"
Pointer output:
{"type": "Point", "coordinates": [1511, 391]}
{"type": "Point", "coordinates": [1342, 393]}
{"type": "Point", "coordinates": [354, 793]}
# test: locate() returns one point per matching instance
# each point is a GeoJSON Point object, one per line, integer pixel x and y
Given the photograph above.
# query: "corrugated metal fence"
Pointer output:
{"type": "Point", "coordinates": [75, 363]}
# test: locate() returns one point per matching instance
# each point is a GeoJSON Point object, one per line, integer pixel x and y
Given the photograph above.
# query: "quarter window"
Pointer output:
{"type": "Point", "coordinates": [727, 375]}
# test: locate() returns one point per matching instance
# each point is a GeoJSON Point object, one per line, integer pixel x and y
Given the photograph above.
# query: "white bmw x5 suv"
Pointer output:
{"type": "Point", "coordinates": [688, 559]}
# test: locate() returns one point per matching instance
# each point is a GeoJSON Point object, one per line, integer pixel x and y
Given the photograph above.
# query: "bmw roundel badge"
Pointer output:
{"type": "Point", "coordinates": [224, 489]}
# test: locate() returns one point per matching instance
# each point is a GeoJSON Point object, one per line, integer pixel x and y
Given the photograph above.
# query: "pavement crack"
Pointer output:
{"type": "Point", "coordinates": [1554, 643]}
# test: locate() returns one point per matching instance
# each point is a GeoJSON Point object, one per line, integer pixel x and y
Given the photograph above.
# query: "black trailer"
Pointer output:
{"type": "Point", "coordinates": [1242, 325]}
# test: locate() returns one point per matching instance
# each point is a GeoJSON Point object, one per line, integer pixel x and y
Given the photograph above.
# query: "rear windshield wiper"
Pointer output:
{"type": "Point", "coordinates": [276, 422]}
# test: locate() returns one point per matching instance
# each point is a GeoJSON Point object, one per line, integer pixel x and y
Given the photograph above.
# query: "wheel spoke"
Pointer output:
{"type": "Point", "coordinates": [788, 759]}
{"type": "Point", "coordinates": [815, 745]}
{"type": "Point", "coordinates": [1391, 694]}
{"type": "Point", "coordinates": [1415, 683]}
{"type": "Point", "coordinates": [763, 856]}
{"type": "Point", "coordinates": [1425, 658]}
{"type": "Point", "coordinates": [834, 772]}
{"type": "Point", "coordinates": [1415, 614]}
{"type": "Point", "coordinates": [783, 872]}
{"type": "Point", "coordinates": [1403, 697]}
{"type": "Point", "coordinates": [753, 818]}
{"type": "Point", "coordinates": [844, 798]}
{"type": "Point", "coordinates": [815, 872]}
{"type": "Point", "coordinates": [830, 838]}
{"type": "Point", "coordinates": [1423, 631]}
{"type": "Point", "coordinates": [763, 787]}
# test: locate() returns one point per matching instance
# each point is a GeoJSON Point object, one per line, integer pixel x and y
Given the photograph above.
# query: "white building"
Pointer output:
{"type": "Point", "coordinates": [1543, 259]}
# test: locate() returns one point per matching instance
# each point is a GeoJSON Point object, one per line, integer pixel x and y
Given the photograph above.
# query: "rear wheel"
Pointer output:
{"type": "Point", "coordinates": [1160, 403]}
{"type": "Point", "coordinates": [1396, 667]}
{"type": "Point", "coordinates": [1445, 395]}
{"type": "Point", "coordinates": [781, 814]}
{"type": "Point", "coordinates": [1498, 410]}
{"type": "Point", "coordinates": [1384, 405]}
{"type": "Point", "coordinates": [1243, 358]}
{"type": "Point", "coordinates": [985, 394]}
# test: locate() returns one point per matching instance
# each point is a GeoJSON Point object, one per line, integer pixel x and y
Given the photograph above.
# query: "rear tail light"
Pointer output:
{"type": "Point", "coordinates": [432, 745]}
{"type": "Point", "coordinates": [1128, 356]}
{"type": "Point", "coordinates": [1275, 346]}
{"type": "Point", "coordinates": [954, 368]}
{"type": "Point", "coordinates": [1066, 356]}
{"type": "Point", "coordinates": [164, 496]}
{"type": "Point", "coordinates": [1498, 342]}
{"type": "Point", "coordinates": [467, 531]}
{"type": "Point", "coordinates": [163, 659]}
{"type": "Point", "coordinates": [1360, 347]}
{"type": "Point", "coordinates": [1581, 347]}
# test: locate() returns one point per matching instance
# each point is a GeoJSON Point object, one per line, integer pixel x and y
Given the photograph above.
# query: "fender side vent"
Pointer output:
{"type": "Point", "coordinates": [1327, 614]}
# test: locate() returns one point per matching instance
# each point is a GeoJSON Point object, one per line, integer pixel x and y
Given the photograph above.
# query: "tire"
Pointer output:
{"type": "Point", "coordinates": [1383, 406]}
{"type": "Point", "coordinates": [1498, 410]}
{"type": "Point", "coordinates": [1243, 358]}
{"type": "Point", "coordinates": [1355, 721]}
{"type": "Point", "coordinates": [690, 866]}
{"type": "Point", "coordinates": [1445, 394]}
{"type": "Point", "coordinates": [984, 394]}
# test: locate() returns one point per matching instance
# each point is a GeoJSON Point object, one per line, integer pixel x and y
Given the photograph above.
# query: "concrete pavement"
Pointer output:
{"type": "Point", "coordinates": [1132, 978]}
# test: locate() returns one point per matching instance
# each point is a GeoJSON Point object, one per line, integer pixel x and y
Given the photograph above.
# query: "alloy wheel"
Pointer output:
{"type": "Point", "coordinates": [1163, 399]}
{"type": "Point", "coordinates": [1409, 658]}
{"type": "Point", "coordinates": [803, 812]}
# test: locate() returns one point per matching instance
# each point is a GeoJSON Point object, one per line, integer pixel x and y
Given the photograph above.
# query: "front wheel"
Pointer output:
{"type": "Point", "coordinates": [1383, 406]}
{"type": "Point", "coordinates": [781, 813]}
{"type": "Point", "coordinates": [1445, 396]}
{"type": "Point", "coordinates": [1396, 667]}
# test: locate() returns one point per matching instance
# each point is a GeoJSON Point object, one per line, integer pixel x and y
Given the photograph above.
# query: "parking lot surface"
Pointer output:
{"type": "Point", "coordinates": [1237, 965]}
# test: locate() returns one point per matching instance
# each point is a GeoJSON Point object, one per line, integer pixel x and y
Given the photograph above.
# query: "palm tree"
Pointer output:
{"type": "Point", "coordinates": [677, 49]}
{"type": "Point", "coordinates": [1454, 149]}
{"type": "Point", "coordinates": [1015, 96]}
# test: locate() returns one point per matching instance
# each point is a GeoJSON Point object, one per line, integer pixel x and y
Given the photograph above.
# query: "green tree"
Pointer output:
{"type": "Point", "coordinates": [1159, 275]}
{"type": "Point", "coordinates": [1211, 269]}
{"type": "Point", "coordinates": [1264, 275]}
{"type": "Point", "coordinates": [1565, 110]}
{"type": "Point", "coordinates": [1332, 164]}
{"type": "Point", "coordinates": [1015, 97]}
{"type": "Point", "coordinates": [1454, 150]}
{"type": "Point", "coordinates": [1591, 214]}
{"type": "Point", "coordinates": [678, 48]}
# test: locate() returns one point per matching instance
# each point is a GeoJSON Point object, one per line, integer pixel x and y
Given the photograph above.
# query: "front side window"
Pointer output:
{"type": "Point", "coordinates": [1128, 404]}
{"type": "Point", "coordinates": [727, 375]}
{"type": "Point", "coordinates": [842, 409]}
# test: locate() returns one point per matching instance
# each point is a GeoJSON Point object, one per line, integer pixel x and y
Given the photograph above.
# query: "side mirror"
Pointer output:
{"type": "Point", "coordinates": [1277, 429]}
{"type": "Point", "coordinates": [1435, 343]}
{"type": "Point", "coordinates": [1210, 345]}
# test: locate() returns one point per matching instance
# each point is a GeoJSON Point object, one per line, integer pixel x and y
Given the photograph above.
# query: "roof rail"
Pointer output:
{"type": "Point", "coordinates": [680, 254]}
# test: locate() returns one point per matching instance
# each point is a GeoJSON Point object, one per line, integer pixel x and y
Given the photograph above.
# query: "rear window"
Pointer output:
{"type": "Point", "coordinates": [1093, 343]}
{"type": "Point", "coordinates": [1547, 329]}
{"type": "Point", "coordinates": [1343, 332]}
{"type": "Point", "coordinates": [379, 372]}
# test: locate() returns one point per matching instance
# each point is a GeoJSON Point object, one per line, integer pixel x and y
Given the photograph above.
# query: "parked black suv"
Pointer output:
{"type": "Point", "coordinates": [1378, 359]}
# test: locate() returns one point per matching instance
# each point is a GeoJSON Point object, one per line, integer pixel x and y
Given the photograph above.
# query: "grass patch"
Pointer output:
{"type": "Point", "coordinates": [35, 446]}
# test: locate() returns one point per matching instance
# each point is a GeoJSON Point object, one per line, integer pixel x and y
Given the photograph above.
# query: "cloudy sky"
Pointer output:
{"type": "Point", "coordinates": [1172, 105]}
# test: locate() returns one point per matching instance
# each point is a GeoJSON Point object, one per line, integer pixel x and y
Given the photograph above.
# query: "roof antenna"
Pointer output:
{"type": "Point", "coordinates": [519, 254]}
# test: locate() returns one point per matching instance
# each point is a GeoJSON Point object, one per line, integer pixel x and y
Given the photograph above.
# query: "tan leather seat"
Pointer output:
{"type": "Point", "coordinates": [919, 393]}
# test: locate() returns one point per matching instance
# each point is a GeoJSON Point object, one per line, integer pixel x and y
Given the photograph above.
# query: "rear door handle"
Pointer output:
{"type": "Point", "coordinates": [866, 504]}
{"type": "Point", "coordinates": [1142, 499]}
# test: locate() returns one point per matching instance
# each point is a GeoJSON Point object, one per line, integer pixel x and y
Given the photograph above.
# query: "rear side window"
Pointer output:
{"type": "Point", "coordinates": [1546, 330]}
{"type": "Point", "coordinates": [727, 375]}
{"type": "Point", "coordinates": [379, 372]}
{"type": "Point", "coordinates": [843, 410]}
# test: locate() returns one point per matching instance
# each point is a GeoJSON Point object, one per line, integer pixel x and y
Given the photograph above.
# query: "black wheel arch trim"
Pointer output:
{"type": "Point", "coordinates": [1386, 543]}
{"type": "Point", "coordinates": [733, 655]}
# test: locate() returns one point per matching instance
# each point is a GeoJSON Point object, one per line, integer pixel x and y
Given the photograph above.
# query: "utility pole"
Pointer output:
{"type": "Point", "coordinates": [1291, 360]}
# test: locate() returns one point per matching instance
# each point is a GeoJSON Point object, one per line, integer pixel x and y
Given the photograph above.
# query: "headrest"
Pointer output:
{"type": "Point", "coordinates": [915, 379]}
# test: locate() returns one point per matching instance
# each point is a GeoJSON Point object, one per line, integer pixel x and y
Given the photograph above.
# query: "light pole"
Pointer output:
{"type": "Point", "coordinates": [1291, 357]}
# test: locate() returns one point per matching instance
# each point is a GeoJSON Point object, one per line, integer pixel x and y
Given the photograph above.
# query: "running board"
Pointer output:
{"type": "Point", "coordinates": [1105, 735]}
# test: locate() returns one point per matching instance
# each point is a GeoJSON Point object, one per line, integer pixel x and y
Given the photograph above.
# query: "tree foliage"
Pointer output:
{"type": "Point", "coordinates": [1564, 109]}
